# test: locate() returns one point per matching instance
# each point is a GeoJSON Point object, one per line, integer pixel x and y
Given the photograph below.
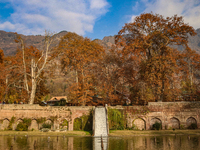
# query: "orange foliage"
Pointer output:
{"type": "Point", "coordinates": [80, 55]}
{"type": "Point", "coordinates": [148, 42]}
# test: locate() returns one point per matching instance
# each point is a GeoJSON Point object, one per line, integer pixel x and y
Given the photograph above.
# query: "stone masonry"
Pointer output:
{"type": "Point", "coordinates": [170, 114]}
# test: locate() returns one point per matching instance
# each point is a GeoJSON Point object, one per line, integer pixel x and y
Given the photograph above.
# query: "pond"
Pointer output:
{"type": "Point", "coordinates": [179, 142]}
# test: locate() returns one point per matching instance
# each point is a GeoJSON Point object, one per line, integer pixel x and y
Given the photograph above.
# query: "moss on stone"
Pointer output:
{"type": "Point", "coordinates": [116, 119]}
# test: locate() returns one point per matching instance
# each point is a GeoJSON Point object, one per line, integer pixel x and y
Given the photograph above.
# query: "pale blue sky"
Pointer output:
{"type": "Point", "coordinates": [91, 18]}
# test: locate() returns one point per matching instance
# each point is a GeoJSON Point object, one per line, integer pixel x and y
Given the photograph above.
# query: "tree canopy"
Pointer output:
{"type": "Point", "coordinates": [150, 40]}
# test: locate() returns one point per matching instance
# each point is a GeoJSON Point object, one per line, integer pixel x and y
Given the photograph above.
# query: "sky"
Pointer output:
{"type": "Point", "coordinates": [89, 18]}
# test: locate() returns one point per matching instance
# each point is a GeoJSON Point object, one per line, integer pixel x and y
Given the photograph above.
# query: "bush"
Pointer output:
{"type": "Point", "coordinates": [64, 124]}
{"type": "Point", "coordinates": [77, 124]}
{"type": "Point", "coordinates": [157, 126]}
{"type": "Point", "coordinates": [46, 125]}
{"type": "Point", "coordinates": [27, 121]}
{"type": "Point", "coordinates": [116, 119]}
{"type": "Point", "coordinates": [22, 127]}
{"type": "Point", "coordinates": [193, 126]}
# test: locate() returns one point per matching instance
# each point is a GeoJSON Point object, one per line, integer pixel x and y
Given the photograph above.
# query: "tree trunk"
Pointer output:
{"type": "Point", "coordinates": [33, 80]}
{"type": "Point", "coordinates": [162, 91]}
{"type": "Point", "coordinates": [33, 91]}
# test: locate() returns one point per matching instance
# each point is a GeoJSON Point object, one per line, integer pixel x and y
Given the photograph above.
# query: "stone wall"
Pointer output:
{"type": "Point", "coordinates": [55, 115]}
{"type": "Point", "coordinates": [179, 115]}
{"type": "Point", "coordinates": [171, 115]}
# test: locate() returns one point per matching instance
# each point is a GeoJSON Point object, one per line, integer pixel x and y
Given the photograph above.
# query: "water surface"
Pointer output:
{"type": "Point", "coordinates": [180, 142]}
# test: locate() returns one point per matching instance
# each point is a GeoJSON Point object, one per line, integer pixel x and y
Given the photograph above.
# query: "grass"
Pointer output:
{"type": "Point", "coordinates": [39, 133]}
{"type": "Point", "coordinates": [152, 132]}
{"type": "Point", "coordinates": [111, 133]}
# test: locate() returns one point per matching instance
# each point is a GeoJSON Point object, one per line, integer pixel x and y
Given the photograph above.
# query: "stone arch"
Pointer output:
{"type": "Point", "coordinates": [19, 120]}
{"type": "Point", "coordinates": [139, 123]}
{"type": "Point", "coordinates": [64, 124]}
{"type": "Point", "coordinates": [5, 124]}
{"type": "Point", "coordinates": [48, 124]}
{"type": "Point", "coordinates": [16, 123]}
{"type": "Point", "coordinates": [175, 123]}
{"type": "Point", "coordinates": [153, 121]}
{"type": "Point", "coordinates": [77, 124]}
{"type": "Point", "coordinates": [34, 125]}
{"type": "Point", "coordinates": [49, 121]}
{"type": "Point", "coordinates": [191, 121]}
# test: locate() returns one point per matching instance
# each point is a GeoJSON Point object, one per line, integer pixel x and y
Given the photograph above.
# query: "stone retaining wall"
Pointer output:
{"type": "Point", "coordinates": [171, 115]}
{"type": "Point", "coordinates": [55, 115]}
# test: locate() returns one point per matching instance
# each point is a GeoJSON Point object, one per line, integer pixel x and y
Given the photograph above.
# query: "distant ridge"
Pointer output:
{"type": "Point", "coordinates": [9, 46]}
{"type": "Point", "coordinates": [7, 41]}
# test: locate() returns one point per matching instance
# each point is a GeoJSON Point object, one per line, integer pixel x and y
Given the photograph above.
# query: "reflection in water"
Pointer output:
{"type": "Point", "coordinates": [100, 143]}
{"type": "Point", "coordinates": [180, 142]}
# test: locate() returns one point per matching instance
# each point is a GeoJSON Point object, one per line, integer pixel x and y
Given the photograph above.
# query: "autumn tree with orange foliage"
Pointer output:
{"type": "Point", "coordinates": [149, 42]}
{"type": "Point", "coordinates": [28, 68]}
{"type": "Point", "coordinates": [80, 55]}
{"type": "Point", "coordinates": [190, 69]}
{"type": "Point", "coordinates": [2, 75]}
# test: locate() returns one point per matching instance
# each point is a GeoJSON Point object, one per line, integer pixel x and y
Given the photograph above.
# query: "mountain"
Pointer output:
{"type": "Point", "coordinates": [194, 41]}
{"type": "Point", "coordinates": [7, 41]}
{"type": "Point", "coordinates": [9, 46]}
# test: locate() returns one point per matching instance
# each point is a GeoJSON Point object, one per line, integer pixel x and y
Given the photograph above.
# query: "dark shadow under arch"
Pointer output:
{"type": "Point", "coordinates": [154, 121]}
{"type": "Point", "coordinates": [191, 123]}
{"type": "Point", "coordinates": [175, 123]}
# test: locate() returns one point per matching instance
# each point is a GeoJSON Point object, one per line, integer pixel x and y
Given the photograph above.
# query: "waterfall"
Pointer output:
{"type": "Point", "coordinates": [100, 122]}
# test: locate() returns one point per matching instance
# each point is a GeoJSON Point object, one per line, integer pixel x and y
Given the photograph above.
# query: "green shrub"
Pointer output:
{"type": "Point", "coordinates": [46, 125]}
{"type": "Point", "coordinates": [77, 124]}
{"type": "Point", "coordinates": [64, 123]}
{"type": "Point", "coordinates": [22, 127]}
{"type": "Point", "coordinates": [157, 126]}
{"type": "Point", "coordinates": [11, 123]}
{"type": "Point", "coordinates": [116, 119]}
{"type": "Point", "coordinates": [41, 120]}
{"type": "Point", "coordinates": [182, 126]}
{"type": "Point", "coordinates": [27, 121]}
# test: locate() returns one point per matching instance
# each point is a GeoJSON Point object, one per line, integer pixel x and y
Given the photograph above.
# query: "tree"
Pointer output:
{"type": "Point", "coordinates": [33, 64]}
{"type": "Point", "coordinates": [190, 70]}
{"type": "Point", "coordinates": [79, 55]}
{"type": "Point", "coordinates": [2, 74]}
{"type": "Point", "coordinates": [149, 40]}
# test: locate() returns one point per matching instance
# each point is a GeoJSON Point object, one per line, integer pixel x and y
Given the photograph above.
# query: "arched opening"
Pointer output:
{"type": "Point", "coordinates": [64, 124]}
{"type": "Point", "coordinates": [174, 123]}
{"type": "Point", "coordinates": [77, 124]}
{"type": "Point", "coordinates": [191, 123]}
{"type": "Point", "coordinates": [5, 124]}
{"type": "Point", "coordinates": [47, 124]}
{"type": "Point", "coordinates": [139, 124]}
{"type": "Point", "coordinates": [155, 124]}
{"type": "Point", "coordinates": [34, 125]}
{"type": "Point", "coordinates": [16, 123]}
